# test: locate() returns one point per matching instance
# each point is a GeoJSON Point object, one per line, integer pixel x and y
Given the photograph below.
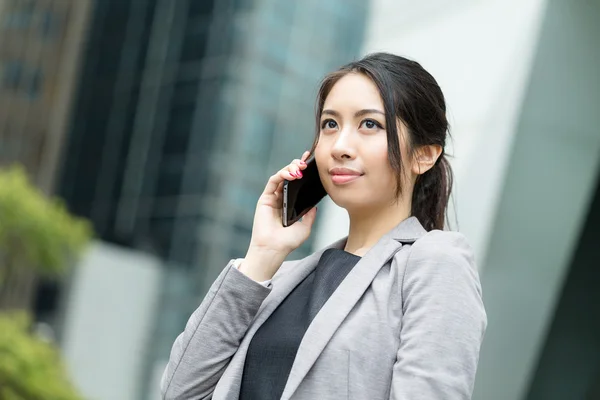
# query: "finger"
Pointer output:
{"type": "Point", "coordinates": [294, 170]}
{"type": "Point", "coordinates": [309, 218]}
{"type": "Point", "coordinates": [276, 180]}
{"type": "Point", "coordinates": [299, 163]}
{"type": "Point", "coordinates": [305, 155]}
{"type": "Point", "coordinates": [291, 172]}
{"type": "Point", "coordinates": [273, 183]}
{"type": "Point", "coordinates": [279, 191]}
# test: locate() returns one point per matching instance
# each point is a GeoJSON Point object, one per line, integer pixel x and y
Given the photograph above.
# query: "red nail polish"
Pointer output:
{"type": "Point", "coordinates": [299, 174]}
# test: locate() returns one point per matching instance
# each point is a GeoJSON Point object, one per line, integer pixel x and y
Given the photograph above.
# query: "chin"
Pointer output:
{"type": "Point", "coordinates": [350, 200]}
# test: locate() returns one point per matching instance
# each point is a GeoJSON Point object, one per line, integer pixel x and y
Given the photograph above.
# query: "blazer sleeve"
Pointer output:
{"type": "Point", "coordinates": [212, 335]}
{"type": "Point", "coordinates": [443, 321]}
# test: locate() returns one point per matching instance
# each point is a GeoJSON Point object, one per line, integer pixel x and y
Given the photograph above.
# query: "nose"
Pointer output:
{"type": "Point", "coordinates": [343, 147]}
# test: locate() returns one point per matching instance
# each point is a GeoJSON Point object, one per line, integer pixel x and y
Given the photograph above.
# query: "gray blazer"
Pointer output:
{"type": "Point", "coordinates": [406, 323]}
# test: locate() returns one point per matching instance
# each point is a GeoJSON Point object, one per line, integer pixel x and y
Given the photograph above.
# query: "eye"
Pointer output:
{"type": "Point", "coordinates": [371, 124]}
{"type": "Point", "coordinates": [328, 124]}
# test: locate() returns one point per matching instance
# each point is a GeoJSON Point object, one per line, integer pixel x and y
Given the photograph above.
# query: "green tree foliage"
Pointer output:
{"type": "Point", "coordinates": [36, 232]}
{"type": "Point", "coordinates": [30, 368]}
{"type": "Point", "coordinates": [39, 236]}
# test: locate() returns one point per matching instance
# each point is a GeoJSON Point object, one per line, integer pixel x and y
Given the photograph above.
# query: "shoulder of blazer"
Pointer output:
{"type": "Point", "coordinates": [437, 241]}
{"type": "Point", "coordinates": [434, 245]}
{"type": "Point", "coordinates": [438, 245]}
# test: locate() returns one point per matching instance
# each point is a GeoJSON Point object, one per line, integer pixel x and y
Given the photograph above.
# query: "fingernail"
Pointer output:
{"type": "Point", "coordinates": [302, 163]}
{"type": "Point", "coordinates": [299, 174]}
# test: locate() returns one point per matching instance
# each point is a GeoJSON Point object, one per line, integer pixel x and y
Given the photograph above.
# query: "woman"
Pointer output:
{"type": "Point", "coordinates": [392, 311]}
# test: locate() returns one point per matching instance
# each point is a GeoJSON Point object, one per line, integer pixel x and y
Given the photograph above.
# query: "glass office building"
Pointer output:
{"type": "Point", "coordinates": [40, 48]}
{"type": "Point", "coordinates": [184, 108]}
{"type": "Point", "coordinates": [40, 52]}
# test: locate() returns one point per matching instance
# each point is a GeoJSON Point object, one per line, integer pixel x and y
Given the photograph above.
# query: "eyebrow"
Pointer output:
{"type": "Point", "coordinates": [357, 114]}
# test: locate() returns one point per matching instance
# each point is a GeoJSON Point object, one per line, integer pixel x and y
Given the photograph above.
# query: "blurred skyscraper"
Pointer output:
{"type": "Point", "coordinates": [40, 52]}
{"type": "Point", "coordinates": [183, 109]}
{"type": "Point", "coordinates": [40, 48]}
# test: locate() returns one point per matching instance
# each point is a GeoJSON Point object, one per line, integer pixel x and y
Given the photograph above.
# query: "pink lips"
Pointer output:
{"type": "Point", "coordinates": [341, 176]}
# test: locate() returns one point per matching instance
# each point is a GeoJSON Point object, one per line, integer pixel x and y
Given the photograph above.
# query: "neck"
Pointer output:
{"type": "Point", "coordinates": [367, 227]}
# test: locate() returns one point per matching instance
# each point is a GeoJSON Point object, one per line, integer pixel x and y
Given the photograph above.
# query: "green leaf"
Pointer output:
{"type": "Point", "coordinates": [30, 368]}
{"type": "Point", "coordinates": [36, 231]}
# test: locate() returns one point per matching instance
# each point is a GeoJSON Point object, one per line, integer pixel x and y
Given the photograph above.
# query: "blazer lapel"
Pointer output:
{"type": "Point", "coordinates": [283, 284]}
{"type": "Point", "coordinates": [286, 282]}
{"type": "Point", "coordinates": [341, 302]}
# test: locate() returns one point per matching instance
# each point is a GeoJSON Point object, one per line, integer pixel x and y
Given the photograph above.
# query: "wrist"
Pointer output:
{"type": "Point", "coordinates": [261, 264]}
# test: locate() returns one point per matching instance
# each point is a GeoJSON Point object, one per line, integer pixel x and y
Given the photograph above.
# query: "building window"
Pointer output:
{"type": "Point", "coordinates": [203, 7]}
{"type": "Point", "coordinates": [178, 129]}
{"type": "Point", "coordinates": [185, 92]}
{"type": "Point", "coordinates": [19, 16]}
{"type": "Point", "coordinates": [168, 185]}
{"type": "Point", "coordinates": [15, 77]}
{"type": "Point", "coordinates": [13, 73]}
{"type": "Point", "coordinates": [257, 135]}
{"type": "Point", "coordinates": [194, 45]}
{"type": "Point", "coordinates": [48, 24]}
{"type": "Point", "coordinates": [242, 5]}
{"type": "Point", "coordinates": [34, 84]}
{"type": "Point", "coordinates": [161, 232]}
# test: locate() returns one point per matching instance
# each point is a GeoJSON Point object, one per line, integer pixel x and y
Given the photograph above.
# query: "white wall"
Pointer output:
{"type": "Point", "coordinates": [108, 321]}
{"type": "Point", "coordinates": [546, 196]}
{"type": "Point", "coordinates": [480, 53]}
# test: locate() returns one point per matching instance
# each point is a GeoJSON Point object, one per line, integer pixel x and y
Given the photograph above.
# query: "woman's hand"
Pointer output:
{"type": "Point", "coordinates": [272, 242]}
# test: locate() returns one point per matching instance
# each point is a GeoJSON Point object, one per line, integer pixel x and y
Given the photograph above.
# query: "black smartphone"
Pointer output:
{"type": "Point", "coordinates": [300, 195]}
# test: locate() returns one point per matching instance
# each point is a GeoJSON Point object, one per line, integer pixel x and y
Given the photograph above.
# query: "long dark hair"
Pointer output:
{"type": "Point", "coordinates": [411, 94]}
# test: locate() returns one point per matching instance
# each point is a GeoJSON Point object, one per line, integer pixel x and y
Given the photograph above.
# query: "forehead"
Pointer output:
{"type": "Point", "coordinates": [353, 92]}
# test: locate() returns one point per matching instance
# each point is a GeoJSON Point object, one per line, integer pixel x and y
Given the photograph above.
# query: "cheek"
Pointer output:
{"type": "Point", "coordinates": [387, 176]}
{"type": "Point", "coordinates": [382, 178]}
{"type": "Point", "coordinates": [321, 154]}
{"type": "Point", "coordinates": [379, 160]}
{"type": "Point", "coordinates": [319, 150]}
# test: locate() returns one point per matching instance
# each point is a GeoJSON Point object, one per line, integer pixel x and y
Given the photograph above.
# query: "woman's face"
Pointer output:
{"type": "Point", "coordinates": [352, 150]}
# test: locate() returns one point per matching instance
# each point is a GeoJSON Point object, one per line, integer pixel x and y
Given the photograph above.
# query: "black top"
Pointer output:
{"type": "Point", "coordinates": [273, 348]}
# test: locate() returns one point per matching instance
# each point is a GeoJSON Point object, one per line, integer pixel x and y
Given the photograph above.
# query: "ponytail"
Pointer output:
{"type": "Point", "coordinates": [431, 195]}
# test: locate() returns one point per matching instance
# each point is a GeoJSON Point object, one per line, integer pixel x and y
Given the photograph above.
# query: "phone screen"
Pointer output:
{"type": "Point", "coordinates": [300, 195]}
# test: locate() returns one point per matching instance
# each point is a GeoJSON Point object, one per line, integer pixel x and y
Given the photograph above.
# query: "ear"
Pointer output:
{"type": "Point", "coordinates": [425, 158]}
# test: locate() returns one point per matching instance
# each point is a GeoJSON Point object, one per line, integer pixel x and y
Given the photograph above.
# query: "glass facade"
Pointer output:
{"type": "Point", "coordinates": [40, 49]}
{"type": "Point", "coordinates": [37, 54]}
